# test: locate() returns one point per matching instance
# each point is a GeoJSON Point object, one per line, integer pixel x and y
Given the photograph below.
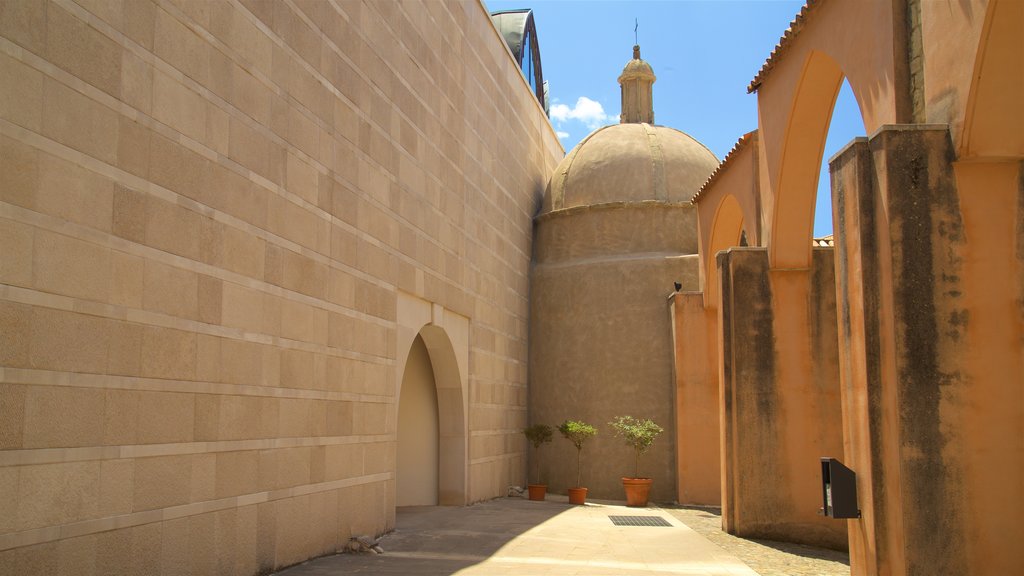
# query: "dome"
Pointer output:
{"type": "Point", "coordinates": [637, 67]}
{"type": "Point", "coordinates": [630, 163]}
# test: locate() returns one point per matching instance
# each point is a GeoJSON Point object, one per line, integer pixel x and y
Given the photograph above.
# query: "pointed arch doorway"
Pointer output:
{"type": "Point", "coordinates": [416, 482]}
{"type": "Point", "coordinates": [431, 454]}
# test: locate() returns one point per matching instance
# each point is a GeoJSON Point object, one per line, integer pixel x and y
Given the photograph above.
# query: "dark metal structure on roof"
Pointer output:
{"type": "Point", "coordinates": [520, 33]}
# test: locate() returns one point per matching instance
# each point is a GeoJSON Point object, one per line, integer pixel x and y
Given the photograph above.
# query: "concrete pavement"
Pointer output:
{"type": "Point", "coordinates": [515, 536]}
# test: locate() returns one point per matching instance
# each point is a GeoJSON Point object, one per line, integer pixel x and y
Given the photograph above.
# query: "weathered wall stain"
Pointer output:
{"type": "Point", "coordinates": [926, 238]}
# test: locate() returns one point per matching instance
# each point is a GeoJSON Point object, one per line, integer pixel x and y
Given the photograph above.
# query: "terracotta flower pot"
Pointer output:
{"type": "Point", "coordinates": [537, 491]}
{"type": "Point", "coordinates": [577, 495]}
{"type": "Point", "coordinates": [636, 491]}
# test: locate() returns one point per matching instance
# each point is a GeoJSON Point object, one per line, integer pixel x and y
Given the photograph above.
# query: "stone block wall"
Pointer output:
{"type": "Point", "coordinates": [601, 337]}
{"type": "Point", "coordinates": [207, 212]}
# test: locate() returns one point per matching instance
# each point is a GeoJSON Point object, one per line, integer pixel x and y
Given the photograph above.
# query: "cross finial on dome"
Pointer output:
{"type": "Point", "coordinates": [636, 81]}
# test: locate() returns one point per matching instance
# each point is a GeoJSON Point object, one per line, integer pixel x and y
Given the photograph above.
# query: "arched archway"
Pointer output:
{"type": "Point", "coordinates": [994, 122]}
{"type": "Point", "coordinates": [777, 324]}
{"type": "Point", "coordinates": [416, 460]}
{"type": "Point", "coordinates": [792, 217]}
{"type": "Point", "coordinates": [845, 126]}
{"type": "Point", "coordinates": [452, 449]}
{"type": "Point", "coordinates": [433, 346]}
{"type": "Point", "coordinates": [726, 232]}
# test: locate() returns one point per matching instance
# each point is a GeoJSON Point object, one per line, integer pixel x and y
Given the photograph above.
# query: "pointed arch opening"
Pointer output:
{"type": "Point", "coordinates": [809, 128]}
{"type": "Point", "coordinates": [417, 461]}
{"type": "Point", "coordinates": [844, 126]}
{"type": "Point", "coordinates": [430, 462]}
{"type": "Point", "coordinates": [726, 232]}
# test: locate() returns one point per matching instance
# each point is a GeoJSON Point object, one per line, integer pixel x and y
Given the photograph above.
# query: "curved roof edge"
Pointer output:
{"type": "Point", "coordinates": [518, 28]}
{"type": "Point", "coordinates": [740, 144]}
{"type": "Point", "coordinates": [511, 24]}
{"type": "Point", "coordinates": [787, 38]}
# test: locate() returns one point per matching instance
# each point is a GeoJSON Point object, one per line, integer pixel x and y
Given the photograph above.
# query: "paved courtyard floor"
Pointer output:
{"type": "Point", "coordinates": [514, 536]}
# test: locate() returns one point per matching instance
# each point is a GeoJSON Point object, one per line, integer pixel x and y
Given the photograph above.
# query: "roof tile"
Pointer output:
{"type": "Point", "coordinates": [739, 145]}
{"type": "Point", "coordinates": [787, 38]}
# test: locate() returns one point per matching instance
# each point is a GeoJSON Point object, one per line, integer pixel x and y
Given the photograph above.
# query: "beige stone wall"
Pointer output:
{"type": "Point", "coordinates": [207, 212]}
{"type": "Point", "coordinates": [601, 336]}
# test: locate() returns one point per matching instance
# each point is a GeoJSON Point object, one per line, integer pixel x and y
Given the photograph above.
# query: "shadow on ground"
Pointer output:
{"type": "Point", "coordinates": [766, 557]}
{"type": "Point", "coordinates": [513, 536]}
{"type": "Point", "coordinates": [433, 540]}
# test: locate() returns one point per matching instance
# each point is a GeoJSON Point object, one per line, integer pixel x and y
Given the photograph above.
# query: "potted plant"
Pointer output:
{"type": "Point", "coordinates": [577, 432]}
{"type": "Point", "coordinates": [638, 435]}
{"type": "Point", "coordinates": [538, 435]}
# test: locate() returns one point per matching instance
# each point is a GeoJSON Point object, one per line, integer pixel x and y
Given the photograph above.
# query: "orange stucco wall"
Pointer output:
{"type": "Point", "coordinates": [780, 410]}
{"type": "Point", "coordinates": [696, 373]}
{"type": "Point", "coordinates": [858, 40]}
{"type": "Point", "coordinates": [989, 411]}
{"type": "Point", "coordinates": [730, 205]}
{"type": "Point", "coordinates": [931, 302]}
{"type": "Point", "coordinates": [929, 287]}
{"type": "Point", "coordinates": [947, 73]}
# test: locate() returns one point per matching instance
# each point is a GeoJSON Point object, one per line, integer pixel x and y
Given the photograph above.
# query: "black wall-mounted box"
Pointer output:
{"type": "Point", "coordinates": [838, 490]}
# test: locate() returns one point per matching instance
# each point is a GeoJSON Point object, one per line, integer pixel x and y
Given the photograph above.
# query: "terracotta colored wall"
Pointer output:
{"type": "Point", "coordinates": [208, 211]}
{"type": "Point", "coordinates": [950, 31]}
{"type": "Point", "coordinates": [719, 226]}
{"type": "Point", "coordinates": [698, 456]}
{"type": "Point", "coordinates": [932, 309]}
{"type": "Point", "coordinates": [780, 406]}
{"type": "Point", "coordinates": [862, 41]}
{"type": "Point", "coordinates": [929, 271]}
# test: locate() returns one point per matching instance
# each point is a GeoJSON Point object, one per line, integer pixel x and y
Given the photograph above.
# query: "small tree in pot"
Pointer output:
{"type": "Point", "coordinates": [577, 432]}
{"type": "Point", "coordinates": [538, 435]}
{"type": "Point", "coordinates": [638, 435]}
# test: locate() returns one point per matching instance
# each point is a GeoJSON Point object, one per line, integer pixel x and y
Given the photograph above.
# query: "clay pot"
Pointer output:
{"type": "Point", "coordinates": [636, 491]}
{"type": "Point", "coordinates": [577, 495]}
{"type": "Point", "coordinates": [537, 491]}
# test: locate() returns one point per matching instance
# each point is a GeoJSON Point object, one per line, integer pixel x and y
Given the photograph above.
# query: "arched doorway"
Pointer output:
{"type": "Point", "coordinates": [431, 465]}
{"type": "Point", "coordinates": [417, 454]}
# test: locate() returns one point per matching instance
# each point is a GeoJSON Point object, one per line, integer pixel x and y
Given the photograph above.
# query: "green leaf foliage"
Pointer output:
{"type": "Point", "coordinates": [577, 432]}
{"type": "Point", "coordinates": [638, 434]}
{"type": "Point", "coordinates": [538, 434]}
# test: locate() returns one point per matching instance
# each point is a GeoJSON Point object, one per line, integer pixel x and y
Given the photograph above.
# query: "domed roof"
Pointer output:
{"type": "Point", "coordinates": [630, 163]}
{"type": "Point", "coordinates": [637, 68]}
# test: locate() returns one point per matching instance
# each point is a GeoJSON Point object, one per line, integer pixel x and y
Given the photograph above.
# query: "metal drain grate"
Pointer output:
{"type": "Point", "coordinates": [639, 521]}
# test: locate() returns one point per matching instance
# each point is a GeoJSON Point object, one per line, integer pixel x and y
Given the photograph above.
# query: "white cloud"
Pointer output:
{"type": "Point", "coordinates": [587, 111]}
{"type": "Point", "coordinates": [561, 135]}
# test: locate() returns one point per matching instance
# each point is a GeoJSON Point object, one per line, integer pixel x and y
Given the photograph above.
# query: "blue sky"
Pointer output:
{"type": "Point", "coordinates": [704, 54]}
